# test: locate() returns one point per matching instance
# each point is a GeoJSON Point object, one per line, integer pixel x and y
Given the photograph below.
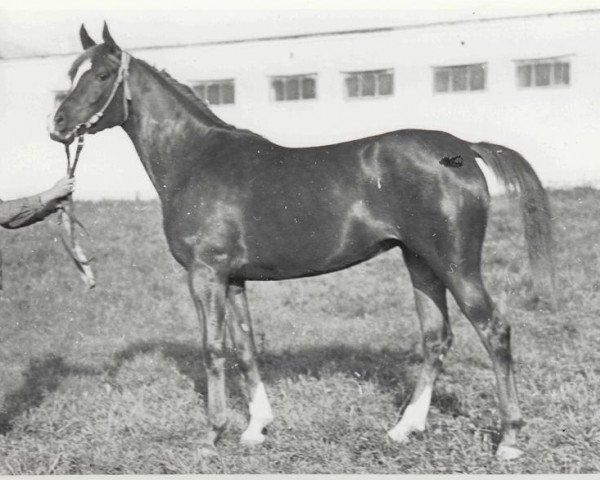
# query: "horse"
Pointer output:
{"type": "Point", "coordinates": [237, 207]}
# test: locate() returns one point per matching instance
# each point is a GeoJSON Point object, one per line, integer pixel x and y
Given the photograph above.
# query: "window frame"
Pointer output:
{"type": "Point", "coordinates": [286, 80]}
{"type": "Point", "coordinates": [552, 62]}
{"type": "Point", "coordinates": [220, 83]}
{"type": "Point", "coordinates": [450, 70]}
{"type": "Point", "coordinates": [359, 76]}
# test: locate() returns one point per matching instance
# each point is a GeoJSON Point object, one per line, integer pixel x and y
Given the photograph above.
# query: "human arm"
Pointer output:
{"type": "Point", "coordinates": [26, 211]}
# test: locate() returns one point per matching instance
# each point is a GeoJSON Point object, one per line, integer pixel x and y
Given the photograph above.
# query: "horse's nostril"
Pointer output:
{"type": "Point", "coordinates": [60, 122]}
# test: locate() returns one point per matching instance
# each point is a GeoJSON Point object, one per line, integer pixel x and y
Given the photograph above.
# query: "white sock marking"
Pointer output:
{"type": "Point", "coordinates": [259, 406]}
{"type": "Point", "coordinates": [260, 416]}
{"type": "Point", "coordinates": [414, 417]}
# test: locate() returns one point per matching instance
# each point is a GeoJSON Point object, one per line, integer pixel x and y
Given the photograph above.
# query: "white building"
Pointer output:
{"type": "Point", "coordinates": [530, 82]}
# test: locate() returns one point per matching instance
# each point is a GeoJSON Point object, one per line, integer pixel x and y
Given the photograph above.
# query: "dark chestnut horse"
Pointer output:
{"type": "Point", "coordinates": [237, 207]}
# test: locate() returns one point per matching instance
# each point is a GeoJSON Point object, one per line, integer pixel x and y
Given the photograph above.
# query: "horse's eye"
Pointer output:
{"type": "Point", "coordinates": [102, 76]}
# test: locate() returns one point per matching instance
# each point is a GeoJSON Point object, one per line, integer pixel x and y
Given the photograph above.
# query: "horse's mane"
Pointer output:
{"type": "Point", "coordinates": [195, 100]}
{"type": "Point", "coordinates": [192, 101]}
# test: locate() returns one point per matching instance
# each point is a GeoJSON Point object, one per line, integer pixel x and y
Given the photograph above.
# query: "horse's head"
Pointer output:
{"type": "Point", "coordinates": [99, 90]}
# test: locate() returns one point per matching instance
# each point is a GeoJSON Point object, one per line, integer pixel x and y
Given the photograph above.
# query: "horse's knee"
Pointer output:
{"type": "Point", "coordinates": [214, 356]}
{"type": "Point", "coordinates": [447, 342]}
{"type": "Point", "coordinates": [499, 333]}
{"type": "Point", "coordinates": [246, 356]}
{"type": "Point", "coordinates": [437, 342]}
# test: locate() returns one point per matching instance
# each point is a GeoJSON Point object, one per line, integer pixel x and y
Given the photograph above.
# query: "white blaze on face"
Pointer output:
{"type": "Point", "coordinates": [84, 67]}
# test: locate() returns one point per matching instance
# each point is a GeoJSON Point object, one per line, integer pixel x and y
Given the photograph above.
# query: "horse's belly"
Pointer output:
{"type": "Point", "coordinates": [300, 253]}
{"type": "Point", "coordinates": [291, 268]}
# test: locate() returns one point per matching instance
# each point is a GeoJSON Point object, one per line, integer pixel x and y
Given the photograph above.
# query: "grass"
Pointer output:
{"type": "Point", "coordinates": [111, 381]}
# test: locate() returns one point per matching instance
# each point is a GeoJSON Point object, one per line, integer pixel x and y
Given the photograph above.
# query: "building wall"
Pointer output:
{"type": "Point", "coordinates": [555, 128]}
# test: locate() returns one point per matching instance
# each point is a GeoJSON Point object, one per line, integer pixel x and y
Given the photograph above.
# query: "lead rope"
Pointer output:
{"type": "Point", "coordinates": [68, 221]}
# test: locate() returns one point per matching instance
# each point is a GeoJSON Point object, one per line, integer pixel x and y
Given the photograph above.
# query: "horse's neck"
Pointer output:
{"type": "Point", "coordinates": [161, 129]}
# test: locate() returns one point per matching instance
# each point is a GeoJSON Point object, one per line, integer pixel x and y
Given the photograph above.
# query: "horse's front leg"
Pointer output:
{"type": "Point", "coordinates": [209, 293]}
{"type": "Point", "coordinates": [242, 336]}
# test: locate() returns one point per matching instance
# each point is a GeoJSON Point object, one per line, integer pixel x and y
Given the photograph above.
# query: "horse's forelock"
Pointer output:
{"type": "Point", "coordinates": [79, 61]}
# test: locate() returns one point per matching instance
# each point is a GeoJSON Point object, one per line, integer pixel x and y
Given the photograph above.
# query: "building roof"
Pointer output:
{"type": "Point", "coordinates": [13, 50]}
{"type": "Point", "coordinates": [416, 26]}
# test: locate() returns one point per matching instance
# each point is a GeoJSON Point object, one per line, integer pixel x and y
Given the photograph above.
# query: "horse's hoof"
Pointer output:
{"type": "Point", "coordinates": [252, 438]}
{"type": "Point", "coordinates": [207, 444]}
{"type": "Point", "coordinates": [208, 451]}
{"type": "Point", "coordinates": [506, 452]}
{"type": "Point", "coordinates": [398, 436]}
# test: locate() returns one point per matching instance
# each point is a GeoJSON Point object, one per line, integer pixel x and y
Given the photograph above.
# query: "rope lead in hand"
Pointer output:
{"type": "Point", "coordinates": [69, 221]}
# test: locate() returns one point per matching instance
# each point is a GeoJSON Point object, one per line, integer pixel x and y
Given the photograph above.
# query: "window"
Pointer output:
{"type": "Point", "coordinates": [459, 78]}
{"type": "Point", "coordinates": [216, 92]}
{"type": "Point", "coordinates": [373, 83]}
{"type": "Point", "coordinates": [294, 87]}
{"type": "Point", "coordinates": [543, 72]}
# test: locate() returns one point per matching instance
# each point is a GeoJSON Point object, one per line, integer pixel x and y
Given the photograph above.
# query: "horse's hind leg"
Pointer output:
{"type": "Point", "coordinates": [243, 339]}
{"type": "Point", "coordinates": [494, 331]}
{"type": "Point", "coordinates": [430, 299]}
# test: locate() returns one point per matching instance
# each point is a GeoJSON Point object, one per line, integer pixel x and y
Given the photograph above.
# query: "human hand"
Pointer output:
{"type": "Point", "coordinates": [61, 189]}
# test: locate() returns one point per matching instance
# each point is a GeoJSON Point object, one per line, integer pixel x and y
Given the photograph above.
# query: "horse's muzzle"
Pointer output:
{"type": "Point", "coordinates": [59, 134]}
{"type": "Point", "coordinates": [57, 128]}
{"type": "Point", "coordinates": [58, 137]}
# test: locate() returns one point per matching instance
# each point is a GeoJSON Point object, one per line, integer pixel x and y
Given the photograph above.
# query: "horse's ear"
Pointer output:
{"type": "Point", "coordinates": [108, 40]}
{"type": "Point", "coordinates": [86, 40]}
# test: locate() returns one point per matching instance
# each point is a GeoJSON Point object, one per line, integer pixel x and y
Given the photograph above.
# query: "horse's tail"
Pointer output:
{"type": "Point", "coordinates": [519, 178]}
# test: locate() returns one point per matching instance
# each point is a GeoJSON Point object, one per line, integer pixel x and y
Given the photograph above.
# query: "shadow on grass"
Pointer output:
{"type": "Point", "coordinates": [42, 377]}
{"type": "Point", "coordinates": [386, 368]}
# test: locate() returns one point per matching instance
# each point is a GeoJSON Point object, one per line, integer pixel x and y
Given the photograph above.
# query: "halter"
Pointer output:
{"type": "Point", "coordinates": [122, 75]}
{"type": "Point", "coordinates": [67, 216]}
{"type": "Point", "coordinates": [82, 128]}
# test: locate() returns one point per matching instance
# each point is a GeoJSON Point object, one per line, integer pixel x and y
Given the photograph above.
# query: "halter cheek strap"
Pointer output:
{"type": "Point", "coordinates": [122, 76]}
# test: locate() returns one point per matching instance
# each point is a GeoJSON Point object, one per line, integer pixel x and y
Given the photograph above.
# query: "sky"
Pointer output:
{"type": "Point", "coordinates": [51, 26]}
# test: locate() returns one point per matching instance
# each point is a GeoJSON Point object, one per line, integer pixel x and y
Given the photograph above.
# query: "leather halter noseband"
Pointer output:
{"type": "Point", "coordinates": [122, 76]}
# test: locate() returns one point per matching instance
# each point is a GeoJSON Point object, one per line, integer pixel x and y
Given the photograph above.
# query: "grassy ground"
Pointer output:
{"type": "Point", "coordinates": [111, 381]}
